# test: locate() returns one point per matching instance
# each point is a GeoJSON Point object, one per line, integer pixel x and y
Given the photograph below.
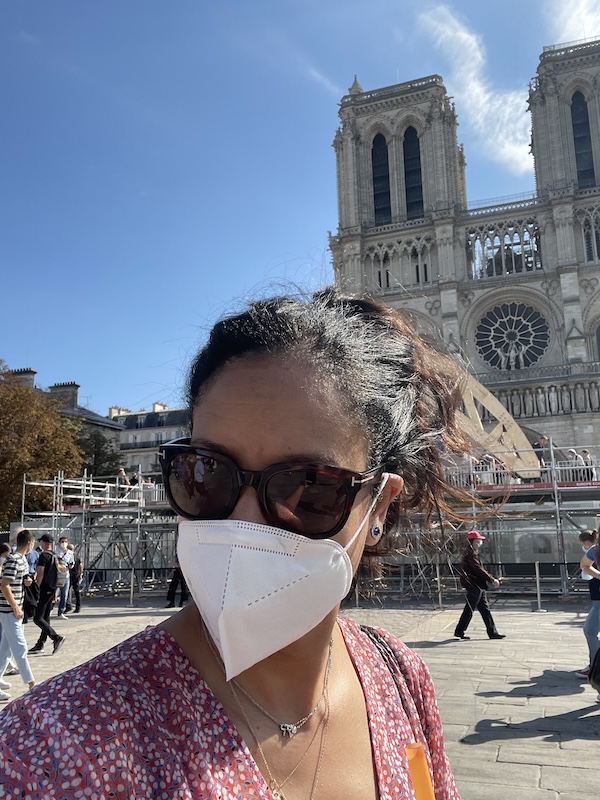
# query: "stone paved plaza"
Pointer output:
{"type": "Point", "coordinates": [518, 722]}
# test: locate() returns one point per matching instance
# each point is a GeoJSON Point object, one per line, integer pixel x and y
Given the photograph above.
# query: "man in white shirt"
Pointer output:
{"type": "Point", "coordinates": [66, 557]}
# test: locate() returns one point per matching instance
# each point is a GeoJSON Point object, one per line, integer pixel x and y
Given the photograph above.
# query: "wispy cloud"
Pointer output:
{"type": "Point", "coordinates": [277, 49]}
{"type": "Point", "coordinates": [498, 117]}
{"type": "Point", "coordinates": [314, 74]}
{"type": "Point", "coordinates": [571, 20]}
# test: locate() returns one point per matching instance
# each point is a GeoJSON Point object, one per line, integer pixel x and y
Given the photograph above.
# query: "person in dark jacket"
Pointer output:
{"type": "Point", "coordinates": [475, 579]}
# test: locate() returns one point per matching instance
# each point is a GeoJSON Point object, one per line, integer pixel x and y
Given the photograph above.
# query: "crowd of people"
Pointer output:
{"type": "Point", "coordinates": [32, 581]}
{"type": "Point", "coordinates": [576, 467]}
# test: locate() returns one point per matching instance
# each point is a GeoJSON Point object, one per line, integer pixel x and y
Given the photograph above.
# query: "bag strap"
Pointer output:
{"type": "Point", "coordinates": [388, 655]}
{"type": "Point", "coordinates": [418, 767]}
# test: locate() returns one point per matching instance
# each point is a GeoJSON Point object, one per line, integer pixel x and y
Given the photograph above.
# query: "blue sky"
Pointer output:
{"type": "Point", "coordinates": [163, 160]}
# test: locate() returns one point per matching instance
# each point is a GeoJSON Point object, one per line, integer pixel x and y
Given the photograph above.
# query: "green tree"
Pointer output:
{"type": "Point", "coordinates": [100, 457]}
{"type": "Point", "coordinates": [34, 440]}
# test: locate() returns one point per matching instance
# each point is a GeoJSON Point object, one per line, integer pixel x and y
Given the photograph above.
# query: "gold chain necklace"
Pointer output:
{"type": "Point", "coordinates": [274, 785]}
{"type": "Point", "coordinates": [286, 728]}
{"type": "Point", "coordinates": [291, 728]}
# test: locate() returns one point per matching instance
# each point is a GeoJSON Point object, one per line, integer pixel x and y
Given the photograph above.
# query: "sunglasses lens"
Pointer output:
{"type": "Point", "coordinates": [201, 486]}
{"type": "Point", "coordinates": [307, 501]}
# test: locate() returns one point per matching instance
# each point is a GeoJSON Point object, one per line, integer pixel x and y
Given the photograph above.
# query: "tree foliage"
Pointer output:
{"type": "Point", "coordinates": [100, 458]}
{"type": "Point", "coordinates": [34, 439]}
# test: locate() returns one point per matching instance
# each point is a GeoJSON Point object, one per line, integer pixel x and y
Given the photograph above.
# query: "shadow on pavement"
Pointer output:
{"type": "Point", "coordinates": [582, 723]}
{"type": "Point", "coordinates": [551, 683]}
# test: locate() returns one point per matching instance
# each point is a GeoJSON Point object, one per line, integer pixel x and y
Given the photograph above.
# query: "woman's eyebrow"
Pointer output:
{"type": "Point", "coordinates": [309, 458]}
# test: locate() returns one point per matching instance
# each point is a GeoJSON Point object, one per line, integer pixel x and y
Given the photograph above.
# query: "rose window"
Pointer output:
{"type": "Point", "coordinates": [512, 336]}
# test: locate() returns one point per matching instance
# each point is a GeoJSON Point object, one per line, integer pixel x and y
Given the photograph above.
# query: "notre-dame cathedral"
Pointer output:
{"type": "Point", "coordinates": [514, 287]}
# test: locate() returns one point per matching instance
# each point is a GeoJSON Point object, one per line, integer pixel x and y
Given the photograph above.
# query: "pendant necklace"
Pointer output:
{"type": "Point", "coordinates": [274, 785]}
{"type": "Point", "coordinates": [291, 728]}
{"type": "Point", "coordinates": [286, 728]}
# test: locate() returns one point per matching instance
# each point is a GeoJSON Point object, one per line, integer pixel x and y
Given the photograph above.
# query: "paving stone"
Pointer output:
{"type": "Point", "coordinates": [569, 779]}
{"type": "Point", "coordinates": [527, 679]}
{"type": "Point", "coordinates": [486, 772]}
{"type": "Point", "coordinates": [479, 791]}
{"type": "Point", "coordinates": [550, 754]}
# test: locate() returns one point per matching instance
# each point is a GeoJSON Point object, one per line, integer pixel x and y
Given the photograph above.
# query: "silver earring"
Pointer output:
{"type": "Point", "coordinates": [376, 532]}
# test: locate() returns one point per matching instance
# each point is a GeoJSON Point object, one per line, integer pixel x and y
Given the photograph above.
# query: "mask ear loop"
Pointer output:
{"type": "Point", "coordinates": [372, 504]}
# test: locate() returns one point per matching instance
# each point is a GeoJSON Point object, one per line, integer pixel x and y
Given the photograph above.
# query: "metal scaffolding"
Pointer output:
{"type": "Point", "coordinates": [126, 535]}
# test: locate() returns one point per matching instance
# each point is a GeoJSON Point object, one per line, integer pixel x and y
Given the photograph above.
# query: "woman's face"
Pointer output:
{"type": "Point", "coordinates": [267, 410]}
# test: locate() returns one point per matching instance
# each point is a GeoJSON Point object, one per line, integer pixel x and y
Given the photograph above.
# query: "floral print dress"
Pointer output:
{"type": "Point", "coordinates": [139, 722]}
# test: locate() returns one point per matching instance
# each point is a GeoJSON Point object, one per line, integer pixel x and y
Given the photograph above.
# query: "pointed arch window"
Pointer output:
{"type": "Point", "coordinates": [412, 174]}
{"type": "Point", "coordinates": [582, 140]}
{"type": "Point", "coordinates": [381, 181]}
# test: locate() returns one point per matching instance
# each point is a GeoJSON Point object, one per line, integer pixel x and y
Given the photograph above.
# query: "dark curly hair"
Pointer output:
{"type": "Point", "coordinates": [400, 390]}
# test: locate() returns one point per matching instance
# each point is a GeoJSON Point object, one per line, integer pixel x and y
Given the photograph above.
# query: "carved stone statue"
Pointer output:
{"type": "Point", "coordinates": [516, 403]}
{"type": "Point", "coordinates": [565, 399]}
{"type": "Point", "coordinates": [580, 397]}
{"type": "Point", "coordinates": [528, 402]}
{"type": "Point", "coordinates": [594, 396]}
{"type": "Point", "coordinates": [540, 397]}
{"type": "Point", "coordinates": [553, 400]}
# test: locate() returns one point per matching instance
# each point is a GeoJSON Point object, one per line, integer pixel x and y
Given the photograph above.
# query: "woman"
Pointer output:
{"type": "Point", "coordinates": [311, 421]}
{"type": "Point", "coordinates": [589, 567]}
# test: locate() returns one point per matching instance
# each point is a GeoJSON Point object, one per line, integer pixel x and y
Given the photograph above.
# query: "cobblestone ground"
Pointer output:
{"type": "Point", "coordinates": [518, 722]}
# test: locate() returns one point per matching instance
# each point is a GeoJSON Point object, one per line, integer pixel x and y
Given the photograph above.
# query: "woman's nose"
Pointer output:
{"type": "Point", "coordinates": [248, 508]}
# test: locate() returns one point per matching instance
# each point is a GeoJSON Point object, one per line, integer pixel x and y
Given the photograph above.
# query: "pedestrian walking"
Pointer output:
{"type": "Point", "coordinates": [474, 579]}
{"type": "Point", "coordinates": [32, 591]}
{"type": "Point", "coordinates": [65, 558]}
{"type": "Point", "coordinates": [591, 626]}
{"type": "Point", "coordinates": [46, 577]}
{"type": "Point", "coordinates": [15, 576]}
{"type": "Point", "coordinates": [75, 575]}
{"type": "Point", "coordinates": [177, 580]}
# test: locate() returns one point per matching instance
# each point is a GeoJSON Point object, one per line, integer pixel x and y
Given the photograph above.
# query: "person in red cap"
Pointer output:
{"type": "Point", "coordinates": [475, 579]}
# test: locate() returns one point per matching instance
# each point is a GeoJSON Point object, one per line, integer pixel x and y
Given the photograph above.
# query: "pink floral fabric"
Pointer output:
{"type": "Point", "coordinates": [139, 722]}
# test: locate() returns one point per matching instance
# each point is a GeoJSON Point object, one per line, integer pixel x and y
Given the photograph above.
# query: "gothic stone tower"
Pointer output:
{"type": "Point", "coordinates": [515, 286]}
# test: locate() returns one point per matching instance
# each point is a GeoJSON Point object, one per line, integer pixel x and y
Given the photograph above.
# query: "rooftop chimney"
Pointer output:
{"type": "Point", "coordinates": [65, 393]}
{"type": "Point", "coordinates": [25, 376]}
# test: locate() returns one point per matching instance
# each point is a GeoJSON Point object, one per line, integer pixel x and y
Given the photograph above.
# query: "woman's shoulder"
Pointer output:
{"type": "Point", "coordinates": [361, 641]}
{"type": "Point", "coordinates": [142, 673]}
{"type": "Point", "coordinates": [131, 721]}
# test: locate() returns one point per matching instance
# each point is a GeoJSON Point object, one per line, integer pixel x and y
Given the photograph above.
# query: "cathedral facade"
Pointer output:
{"type": "Point", "coordinates": [513, 287]}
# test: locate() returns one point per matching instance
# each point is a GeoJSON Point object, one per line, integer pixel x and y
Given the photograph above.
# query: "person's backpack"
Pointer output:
{"type": "Point", "coordinates": [62, 573]}
{"type": "Point", "coordinates": [56, 574]}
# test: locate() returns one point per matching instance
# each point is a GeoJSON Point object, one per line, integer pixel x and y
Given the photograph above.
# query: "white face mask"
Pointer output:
{"type": "Point", "coordinates": [63, 546]}
{"type": "Point", "coordinates": [260, 588]}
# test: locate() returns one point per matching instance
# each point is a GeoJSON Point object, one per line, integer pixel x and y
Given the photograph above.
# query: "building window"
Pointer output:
{"type": "Point", "coordinates": [582, 140]}
{"type": "Point", "coordinates": [383, 273]}
{"type": "Point", "coordinates": [412, 175]}
{"type": "Point", "coordinates": [591, 238]}
{"type": "Point", "coordinates": [512, 336]}
{"type": "Point", "coordinates": [507, 250]}
{"type": "Point", "coordinates": [381, 181]}
{"type": "Point", "coordinates": [598, 344]}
